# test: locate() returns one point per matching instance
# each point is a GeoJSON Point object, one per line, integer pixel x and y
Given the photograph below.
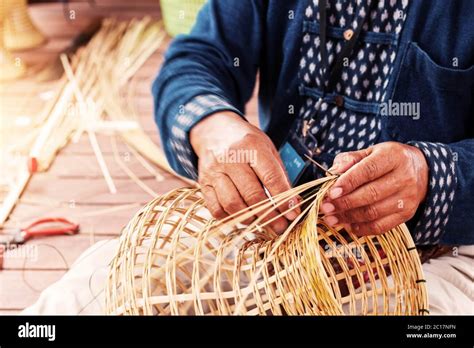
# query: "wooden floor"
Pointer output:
{"type": "Point", "coordinates": [74, 187]}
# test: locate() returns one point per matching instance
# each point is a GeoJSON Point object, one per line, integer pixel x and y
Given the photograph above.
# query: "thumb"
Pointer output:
{"type": "Point", "coordinates": [345, 160]}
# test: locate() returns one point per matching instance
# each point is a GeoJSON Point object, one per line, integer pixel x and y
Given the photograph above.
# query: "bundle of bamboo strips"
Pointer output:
{"type": "Point", "coordinates": [89, 99]}
{"type": "Point", "coordinates": [174, 259]}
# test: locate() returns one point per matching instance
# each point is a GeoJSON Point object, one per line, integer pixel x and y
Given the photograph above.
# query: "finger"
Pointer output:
{"type": "Point", "coordinates": [232, 202]}
{"type": "Point", "coordinates": [344, 160]}
{"type": "Point", "coordinates": [251, 190]}
{"type": "Point", "coordinates": [370, 212]}
{"type": "Point", "coordinates": [379, 226]}
{"type": "Point", "coordinates": [228, 195]}
{"type": "Point", "coordinates": [368, 169]}
{"type": "Point", "coordinates": [274, 178]}
{"type": "Point", "coordinates": [293, 202]}
{"type": "Point", "coordinates": [367, 194]}
{"type": "Point", "coordinates": [247, 183]}
{"type": "Point", "coordinates": [212, 203]}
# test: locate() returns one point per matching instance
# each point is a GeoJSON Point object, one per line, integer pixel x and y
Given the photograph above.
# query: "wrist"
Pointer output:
{"type": "Point", "coordinates": [212, 130]}
{"type": "Point", "coordinates": [423, 173]}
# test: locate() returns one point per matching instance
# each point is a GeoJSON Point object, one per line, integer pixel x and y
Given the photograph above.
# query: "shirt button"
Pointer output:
{"type": "Point", "coordinates": [348, 34]}
{"type": "Point", "coordinates": [339, 100]}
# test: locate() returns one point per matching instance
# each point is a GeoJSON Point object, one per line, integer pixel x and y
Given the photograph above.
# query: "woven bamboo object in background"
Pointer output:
{"type": "Point", "coordinates": [9, 68]}
{"type": "Point", "coordinates": [179, 15]}
{"type": "Point", "coordinates": [174, 259]}
{"type": "Point", "coordinates": [20, 32]}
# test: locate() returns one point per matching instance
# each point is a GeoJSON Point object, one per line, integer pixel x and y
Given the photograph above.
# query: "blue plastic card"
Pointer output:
{"type": "Point", "coordinates": [293, 162]}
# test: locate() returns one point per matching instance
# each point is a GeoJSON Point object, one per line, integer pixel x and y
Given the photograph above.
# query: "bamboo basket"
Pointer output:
{"type": "Point", "coordinates": [174, 259]}
{"type": "Point", "coordinates": [9, 68]}
{"type": "Point", "coordinates": [20, 32]}
{"type": "Point", "coordinates": [179, 15]}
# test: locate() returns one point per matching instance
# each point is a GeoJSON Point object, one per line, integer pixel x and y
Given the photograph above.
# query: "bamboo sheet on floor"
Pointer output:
{"type": "Point", "coordinates": [450, 282]}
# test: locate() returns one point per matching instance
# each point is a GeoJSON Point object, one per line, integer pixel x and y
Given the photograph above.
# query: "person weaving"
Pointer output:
{"type": "Point", "coordinates": [396, 168]}
{"type": "Point", "coordinates": [375, 90]}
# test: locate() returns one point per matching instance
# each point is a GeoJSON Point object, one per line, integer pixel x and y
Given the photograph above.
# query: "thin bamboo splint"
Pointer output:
{"type": "Point", "coordinates": [174, 259]}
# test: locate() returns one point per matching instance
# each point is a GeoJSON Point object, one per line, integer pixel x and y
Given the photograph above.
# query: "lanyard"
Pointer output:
{"type": "Point", "coordinates": [297, 163]}
{"type": "Point", "coordinates": [334, 74]}
{"type": "Point", "coordinates": [346, 50]}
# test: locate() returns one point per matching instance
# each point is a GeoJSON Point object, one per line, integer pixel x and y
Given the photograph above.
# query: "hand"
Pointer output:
{"type": "Point", "coordinates": [380, 188]}
{"type": "Point", "coordinates": [236, 159]}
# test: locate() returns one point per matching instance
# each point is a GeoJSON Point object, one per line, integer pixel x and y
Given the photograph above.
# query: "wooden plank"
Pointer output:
{"type": "Point", "coordinates": [50, 253]}
{"type": "Point", "coordinates": [93, 191]}
{"type": "Point", "coordinates": [50, 19]}
{"type": "Point", "coordinates": [15, 293]}
{"type": "Point", "coordinates": [66, 166]}
{"type": "Point", "coordinates": [94, 220]}
{"type": "Point", "coordinates": [54, 190]}
{"type": "Point", "coordinates": [138, 4]}
{"type": "Point", "coordinates": [52, 22]}
{"type": "Point", "coordinates": [82, 146]}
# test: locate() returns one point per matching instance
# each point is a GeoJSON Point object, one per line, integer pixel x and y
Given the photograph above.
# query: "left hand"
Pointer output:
{"type": "Point", "coordinates": [379, 188]}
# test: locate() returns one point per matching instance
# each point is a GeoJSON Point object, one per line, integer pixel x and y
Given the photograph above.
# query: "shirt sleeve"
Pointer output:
{"type": "Point", "coordinates": [212, 69]}
{"type": "Point", "coordinates": [435, 211]}
{"type": "Point", "coordinates": [193, 112]}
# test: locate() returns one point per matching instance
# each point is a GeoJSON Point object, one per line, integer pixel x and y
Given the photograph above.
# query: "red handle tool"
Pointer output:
{"type": "Point", "coordinates": [42, 228]}
{"type": "Point", "coordinates": [37, 228]}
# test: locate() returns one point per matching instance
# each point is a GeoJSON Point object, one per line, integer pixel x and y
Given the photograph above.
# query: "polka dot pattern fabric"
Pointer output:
{"type": "Point", "coordinates": [355, 124]}
{"type": "Point", "coordinates": [364, 78]}
{"type": "Point", "coordinates": [188, 115]}
{"type": "Point", "coordinates": [442, 187]}
{"type": "Point", "coordinates": [363, 83]}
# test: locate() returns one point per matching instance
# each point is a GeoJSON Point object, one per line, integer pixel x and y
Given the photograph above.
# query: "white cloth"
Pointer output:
{"type": "Point", "coordinates": [450, 282]}
{"type": "Point", "coordinates": [82, 290]}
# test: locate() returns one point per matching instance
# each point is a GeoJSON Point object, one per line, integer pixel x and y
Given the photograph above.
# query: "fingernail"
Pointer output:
{"type": "Point", "coordinates": [335, 192]}
{"type": "Point", "coordinates": [331, 220]}
{"type": "Point", "coordinates": [292, 214]}
{"type": "Point", "coordinates": [334, 168]}
{"type": "Point", "coordinates": [280, 226]}
{"type": "Point", "coordinates": [327, 208]}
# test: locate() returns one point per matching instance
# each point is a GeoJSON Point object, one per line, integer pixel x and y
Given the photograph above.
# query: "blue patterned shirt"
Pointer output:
{"type": "Point", "coordinates": [352, 124]}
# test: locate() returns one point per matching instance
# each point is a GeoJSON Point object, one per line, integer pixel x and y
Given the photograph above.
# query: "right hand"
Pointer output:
{"type": "Point", "coordinates": [236, 161]}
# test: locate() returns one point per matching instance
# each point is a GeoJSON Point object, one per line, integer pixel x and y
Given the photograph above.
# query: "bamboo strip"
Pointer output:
{"type": "Point", "coordinates": [92, 137]}
{"type": "Point", "coordinates": [35, 153]}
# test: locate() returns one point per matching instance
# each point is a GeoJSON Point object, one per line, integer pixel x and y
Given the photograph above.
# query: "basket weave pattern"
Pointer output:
{"type": "Point", "coordinates": [20, 32]}
{"type": "Point", "coordinates": [179, 15]}
{"type": "Point", "coordinates": [9, 70]}
{"type": "Point", "coordinates": [174, 259]}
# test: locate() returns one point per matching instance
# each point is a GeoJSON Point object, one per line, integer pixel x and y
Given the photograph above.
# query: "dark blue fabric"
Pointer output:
{"type": "Point", "coordinates": [233, 39]}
